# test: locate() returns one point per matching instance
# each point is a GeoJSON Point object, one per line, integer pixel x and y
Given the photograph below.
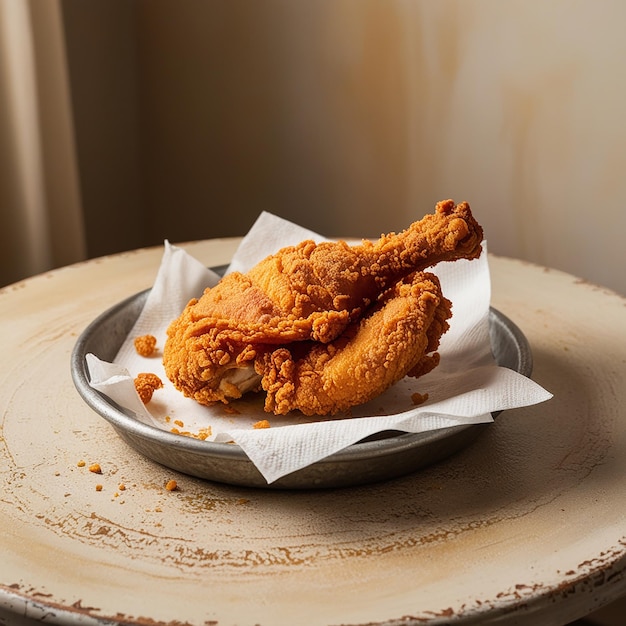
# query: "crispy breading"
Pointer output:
{"type": "Point", "coordinates": [146, 383]}
{"type": "Point", "coordinates": [398, 335]}
{"type": "Point", "coordinates": [145, 345]}
{"type": "Point", "coordinates": [309, 294]}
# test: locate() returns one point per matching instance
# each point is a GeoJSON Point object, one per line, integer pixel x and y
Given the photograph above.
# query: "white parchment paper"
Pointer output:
{"type": "Point", "coordinates": [465, 388]}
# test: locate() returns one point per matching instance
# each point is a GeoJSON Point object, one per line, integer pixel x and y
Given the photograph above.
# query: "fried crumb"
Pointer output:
{"type": "Point", "coordinates": [145, 345]}
{"type": "Point", "coordinates": [179, 423]}
{"type": "Point", "coordinates": [95, 468]}
{"type": "Point", "coordinates": [122, 487]}
{"type": "Point", "coordinates": [419, 398]}
{"type": "Point", "coordinates": [202, 434]}
{"type": "Point", "coordinates": [231, 410]}
{"type": "Point", "coordinates": [261, 424]}
{"type": "Point", "coordinates": [98, 487]}
{"type": "Point", "coordinates": [146, 384]}
{"type": "Point", "coordinates": [171, 485]}
{"type": "Point", "coordinates": [81, 463]}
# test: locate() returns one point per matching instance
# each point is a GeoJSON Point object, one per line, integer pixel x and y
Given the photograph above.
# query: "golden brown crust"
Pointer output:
{"type": "Point", "coordinates": [146, 384]}
{"type": "Point", "coordinates": [309, 293]}
{"type": "Point", "coordinates": [372, 354]}
{"type": "Point", "coordinates": [145, 345]}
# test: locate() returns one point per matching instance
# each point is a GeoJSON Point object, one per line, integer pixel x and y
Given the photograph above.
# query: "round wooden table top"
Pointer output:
{"type": "Point", "coordinates": [526, 526]}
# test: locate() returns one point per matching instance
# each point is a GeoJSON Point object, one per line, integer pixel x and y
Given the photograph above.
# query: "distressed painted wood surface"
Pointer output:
{"type": "Point", "coordinates": [527, 523]}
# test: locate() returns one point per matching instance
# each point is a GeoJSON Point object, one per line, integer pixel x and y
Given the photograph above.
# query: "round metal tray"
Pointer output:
{"type": "Point", "coordinates": [385, 456]}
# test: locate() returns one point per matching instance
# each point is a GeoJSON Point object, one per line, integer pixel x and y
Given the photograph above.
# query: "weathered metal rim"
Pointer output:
{"type": "Point", "coordinates": [520, 361]}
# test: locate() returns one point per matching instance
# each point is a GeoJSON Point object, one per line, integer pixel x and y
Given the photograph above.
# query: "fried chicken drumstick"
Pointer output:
{"type": "Point", "coordinates": [322, 327]}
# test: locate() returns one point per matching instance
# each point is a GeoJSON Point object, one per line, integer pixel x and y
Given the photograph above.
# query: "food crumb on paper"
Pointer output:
{"type": "Point", "coordinates": [419, 398]}
{"type": "Point", "coordinates": [146, 384]}
{"type": "Point", "coordinates": [145, 345]}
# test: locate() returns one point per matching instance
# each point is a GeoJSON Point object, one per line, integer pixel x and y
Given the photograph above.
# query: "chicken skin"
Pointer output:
{"type": "Point", "coordinates": [396, 337]}
{"type": "Point", "coordinates": [314, 299]}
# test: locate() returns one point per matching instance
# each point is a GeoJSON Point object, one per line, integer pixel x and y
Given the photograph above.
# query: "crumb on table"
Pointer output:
{"type": "Point", "coordinates": [261, 424]}
{"type": "Point", "coordinates": [95, 468]}
{"type": "Point", "coordinates": [171, 485]}
{"type": "Point", "coordinates": [146, 384]}
{"type": "Point", "coordinates": [145, 345]}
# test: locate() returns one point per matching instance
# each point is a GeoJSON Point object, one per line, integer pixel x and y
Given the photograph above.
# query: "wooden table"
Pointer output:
{"type": "Point", "coordinates": [526, 526]}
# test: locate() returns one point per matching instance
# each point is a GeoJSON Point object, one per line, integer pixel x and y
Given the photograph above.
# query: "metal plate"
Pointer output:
{"type": "Point", "coordinates": [386, 456]}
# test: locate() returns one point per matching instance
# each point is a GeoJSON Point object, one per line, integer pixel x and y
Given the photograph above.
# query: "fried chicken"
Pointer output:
{"type": "Point", "coordinates": [397, 336]}
{"type": "Point", "coordinates": [312, 299]}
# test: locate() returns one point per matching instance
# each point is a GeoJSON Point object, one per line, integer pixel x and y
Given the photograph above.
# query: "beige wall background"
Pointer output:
{"type": "Point", "coordinates": [353, 117]}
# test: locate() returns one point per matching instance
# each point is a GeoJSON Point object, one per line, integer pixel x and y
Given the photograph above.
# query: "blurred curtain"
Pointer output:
{"type": "Point", "coordinates": [40, 214]}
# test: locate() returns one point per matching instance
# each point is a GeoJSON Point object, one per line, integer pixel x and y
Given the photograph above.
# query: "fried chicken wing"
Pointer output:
{"type": "Point", "coordinates": [305, 293]}
{"type": "Point", "coordinates": [396, 337]}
